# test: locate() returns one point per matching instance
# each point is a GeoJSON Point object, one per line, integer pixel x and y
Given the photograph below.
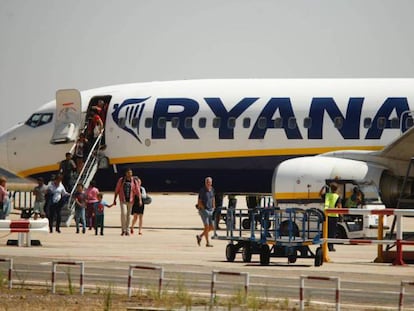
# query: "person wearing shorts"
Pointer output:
{"type": "Point", "coordinates": [39, 205]}
{"type": "Point", "coordinates": [206, 206]}
{"type": "Point", "coordinates": [137, 211]}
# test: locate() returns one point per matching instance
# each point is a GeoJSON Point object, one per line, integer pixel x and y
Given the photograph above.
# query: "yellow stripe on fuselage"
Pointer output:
{"type": "Point", "coordinates": [235, 154]}
{"type": "Point", "coordinates": [209, 155]}
{"type": "Point", "coordinates": [38, 170]}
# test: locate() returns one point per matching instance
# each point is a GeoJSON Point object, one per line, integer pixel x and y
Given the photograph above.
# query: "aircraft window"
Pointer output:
{"type": "Point", "coordinates": [202, 122]}
{"type": "Point", "coordinates": [121, 122]}
{"type": "Point", "coordinates": [175, 122]}
{"type": "Point", "coordinates": [395, 123]}
{"type": "Point", "coordinates": [135, 122]}
{"type": "Point", "coordinates": [261, 123]}
{"type": "Point", "coordinates": [307, 123]}
{"type": "Point", "coordinates": [278, 123]}
{"type": "Point", "coordinates": [161, 123]}
{"type": "Point", "coordinates": [148, 122]}
{"type": "Point", "coordinates": [409, 122]}
{"type": "Point", "coordinates": [292, 123]}
{"type": "Point", "coordinates": [34, 120]}
{"type": "Point", "coordinates": [39, 119]}
{"type": "Point", "coordinates": [216, 122]}
{"type": "Point", "coordinates": [339, 122]}
{"type": "Point", "coordinates": [231, 123]}
{"type": "Point", "coordinates": [46, 118]}
{"type": "Point", "coordinates": [188, 123]}
{"type": "Point", "coordinates": [367, 123]}
{"type": "Point", "coordinates": [246, 123]}
{"type": "Point", "coordinates": [381, 123]}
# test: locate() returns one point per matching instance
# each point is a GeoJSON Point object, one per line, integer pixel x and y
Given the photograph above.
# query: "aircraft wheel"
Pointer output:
{"type": "Point", "coordinates": [247, 253]}
{"type": "Point", "coordinates": [264, 255]}
{"type": "Point", "coordinates": [230, 252]}
{"type": "Point", "coordinates": [318, 257]}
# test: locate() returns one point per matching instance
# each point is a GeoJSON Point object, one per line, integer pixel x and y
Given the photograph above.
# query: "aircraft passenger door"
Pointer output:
{"type": "Point", "coordinates": [68, 116]}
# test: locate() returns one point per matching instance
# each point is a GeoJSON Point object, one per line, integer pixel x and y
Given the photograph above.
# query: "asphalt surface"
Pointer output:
{"type": "Point", "coordinates": [171, 223]}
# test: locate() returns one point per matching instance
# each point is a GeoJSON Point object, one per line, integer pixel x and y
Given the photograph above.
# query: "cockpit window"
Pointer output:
{"type": "Point", "coordinates": [45, 118]}
{"type": "Point", "coordinates": [38, 119]}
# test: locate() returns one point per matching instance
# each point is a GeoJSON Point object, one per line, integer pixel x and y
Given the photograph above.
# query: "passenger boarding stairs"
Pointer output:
{"type": "Point", "coordinates": [86, 175]}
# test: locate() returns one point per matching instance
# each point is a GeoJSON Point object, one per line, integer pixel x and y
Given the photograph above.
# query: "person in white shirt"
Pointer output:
{"type": "Point", "coordinates": [57, 196]}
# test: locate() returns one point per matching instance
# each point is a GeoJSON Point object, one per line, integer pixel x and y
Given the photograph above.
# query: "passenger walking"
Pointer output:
{"type": "Point", "coordinates": [331, 200]}
{"type": "Point", "coordinates": [206, 206]}
{"type": "Point", "coordinates": [95, 126]}
{"type": "Point", "coordinates": [102, 109]}
{"type": "Point", "coordinates": [128, 190]}
{"type": "Point", "coordinates": [67, 169]}
{"type": "Point", "coordinates": [91, 199]}
{"type": "Point", "coordinates": [58, 196]}
{"type": "Point", "coordinates": [4, 197]}
{"type": "Point", "coordinates": [80, 207]}
{"type": "Point", "coordinates": [100, 214]}
{"type": "Point", "coordinates": [40, 199]}
{"type": "Point", "coordinates": [80, 152]}
{"type": "Point", "coordinates": [138, 210]}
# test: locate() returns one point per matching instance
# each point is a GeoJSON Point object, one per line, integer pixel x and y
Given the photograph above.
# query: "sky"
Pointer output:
{"type": "Point", "coordinates": [46, 45]}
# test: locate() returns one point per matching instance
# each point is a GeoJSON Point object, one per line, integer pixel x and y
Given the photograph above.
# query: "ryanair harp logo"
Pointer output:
{"type": "Point", "coordinates": [128, 115]}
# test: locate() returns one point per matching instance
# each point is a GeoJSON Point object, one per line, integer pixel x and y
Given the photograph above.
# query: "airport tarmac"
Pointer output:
{"type": "Point", "coordinates": [171, 223]}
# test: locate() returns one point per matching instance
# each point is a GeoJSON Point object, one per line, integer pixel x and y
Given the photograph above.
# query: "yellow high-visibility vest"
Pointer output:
{"type": "Point", "coordinates": [330, 200]}
{"type": "Point", "coordinates": [351, 203]}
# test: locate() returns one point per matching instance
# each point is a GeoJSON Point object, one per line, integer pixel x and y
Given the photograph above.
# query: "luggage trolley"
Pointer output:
{"type": "Point", "coordinates": [274, 232]}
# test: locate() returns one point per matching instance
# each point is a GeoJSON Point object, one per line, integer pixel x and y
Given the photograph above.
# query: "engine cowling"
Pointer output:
{"type": "Point", "coordinates": [299, 180]}
{"type": "Point", "coordinates": [390, 189]}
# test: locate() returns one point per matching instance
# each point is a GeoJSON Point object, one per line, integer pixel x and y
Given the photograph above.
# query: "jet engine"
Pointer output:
{"type": "Point", "coordinates": [299, 180]}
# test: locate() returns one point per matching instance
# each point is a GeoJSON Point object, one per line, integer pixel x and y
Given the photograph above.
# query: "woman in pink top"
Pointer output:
{"type": "Point", "coordinates": [91, 198]}
{"type": "Point", "coordinates": [128, 190]}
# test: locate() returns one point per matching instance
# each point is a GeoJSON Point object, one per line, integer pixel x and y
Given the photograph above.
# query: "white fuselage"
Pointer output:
{"type": "Point", "coordinates": [245, 127]}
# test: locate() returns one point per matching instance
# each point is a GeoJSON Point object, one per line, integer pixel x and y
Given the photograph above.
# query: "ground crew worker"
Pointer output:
{"type": "Point", "coordinates": [355, 198]}
{"type": "Point", "coordinates": [331, 200]}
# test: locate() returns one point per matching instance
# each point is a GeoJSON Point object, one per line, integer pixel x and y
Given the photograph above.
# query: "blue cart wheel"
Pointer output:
{"type": "Point", "coordinates": [230, 252]}
{"type": "Point", "coordinates": [292, 257]}
{"type": "Point", "coordinates": [318, 257]}
{"type": "Point", "coordinates": [264, 255]}
{"type": "Point", "coordinates": [247, 253]}
{"type": "Point", "coordinates": [246, 223]}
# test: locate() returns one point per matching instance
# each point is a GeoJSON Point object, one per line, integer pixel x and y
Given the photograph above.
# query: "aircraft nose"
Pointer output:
{"type": "Point", "coordinates": [3, 151]}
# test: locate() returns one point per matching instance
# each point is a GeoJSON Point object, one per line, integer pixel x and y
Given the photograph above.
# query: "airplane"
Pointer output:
{"type": "Point", "coordinates": [281, 137]}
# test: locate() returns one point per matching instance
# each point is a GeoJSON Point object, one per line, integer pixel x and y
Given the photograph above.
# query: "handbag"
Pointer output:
{"type": "Point", "coordinates": [147, 200]}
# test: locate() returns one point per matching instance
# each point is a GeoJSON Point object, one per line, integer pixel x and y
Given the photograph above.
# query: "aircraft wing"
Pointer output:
{"type": "Point", "coordinates": [15, 182]}
{"type": "Point", "coordinates": [400, 149]}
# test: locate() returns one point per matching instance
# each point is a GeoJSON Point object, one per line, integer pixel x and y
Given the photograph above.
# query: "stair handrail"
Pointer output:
{"type": "Point", "coordinates": [89, 163]}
